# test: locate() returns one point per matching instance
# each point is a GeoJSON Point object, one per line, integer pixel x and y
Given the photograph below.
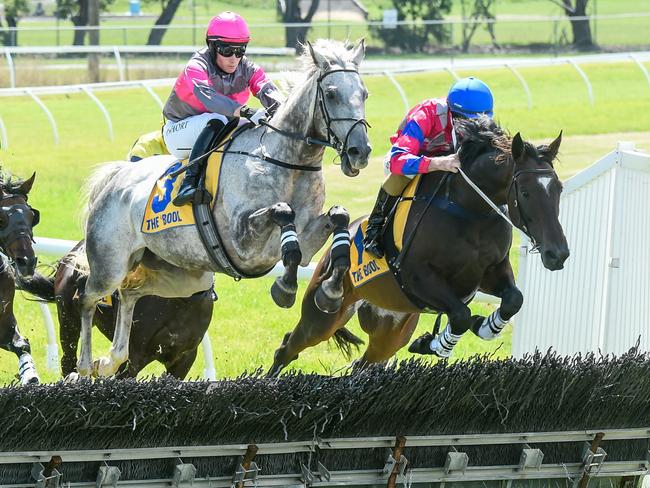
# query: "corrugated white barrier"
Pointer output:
{"type": "Point", "coordinates": [599, 301]}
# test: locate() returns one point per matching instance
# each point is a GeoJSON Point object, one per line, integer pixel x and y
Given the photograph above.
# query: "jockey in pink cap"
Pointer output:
{"type": "Point", "coordinates": [215, 84]}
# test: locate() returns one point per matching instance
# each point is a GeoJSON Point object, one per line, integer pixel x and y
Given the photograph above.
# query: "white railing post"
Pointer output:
{"type": "Point", "coordinates": [209, 372]}
{"type": "Point", "coordinates": [523, 84]}
{"type": "Point", "coordinates": [153, 94]}
{"type": "Point", "coordinates": [52, 360]}
{"type": "Point", "coordinates": [120, 65]}
{"type": "Point", "coordinates": [584, 76]}
{"type": "Point", "coordinates": [641, 67]}
{"type": "Point", "coordinates": [12, 68]}
{"type": "Point", "coordinates": [399, 90]}
{"type": "Point", "coordinates": [452, 73]}
{"type": "Point", "coordinates": [4, 140]}
{"type": "Point", "coordinates": [107, 117]}
{"type": "Point", "coordinates": [49, 115]}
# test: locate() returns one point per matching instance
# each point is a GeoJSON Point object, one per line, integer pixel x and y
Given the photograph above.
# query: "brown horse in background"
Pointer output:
{"type": "Point", "coordinates": [168, 330]}
{"type": "Point", "coordinates": [458, 245]}
{"type": "Point", "coordinates": [17, 219]}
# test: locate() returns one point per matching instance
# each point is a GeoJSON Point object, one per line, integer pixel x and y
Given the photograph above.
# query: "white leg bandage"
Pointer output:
{"type": "Point", "coordinates": [492, 326]}
{"type": "Point", "coordinates": [444, 343]}
{"type": "Point", "coordinates": [27, 369]}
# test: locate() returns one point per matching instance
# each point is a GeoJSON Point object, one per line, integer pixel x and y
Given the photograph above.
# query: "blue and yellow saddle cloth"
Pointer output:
{"type": "Point", "coordinates": [160, 213]}
{"type": "Point", "coordinates": [364, 266]}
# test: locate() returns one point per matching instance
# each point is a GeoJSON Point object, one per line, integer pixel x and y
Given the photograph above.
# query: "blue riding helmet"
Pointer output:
{"type": "Point", "coordinates": [470, 97]}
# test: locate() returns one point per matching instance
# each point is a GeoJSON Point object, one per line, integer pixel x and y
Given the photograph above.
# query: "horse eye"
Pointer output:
{"type": "Point", "coordinates": [525, 194]}
{"type": "Point", "coordinates": [330, 93]}
{"type": "Point", "coordinates": [365, 94]}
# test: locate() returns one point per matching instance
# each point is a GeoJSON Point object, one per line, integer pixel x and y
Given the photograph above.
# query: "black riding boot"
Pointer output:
{"type": "Point", "coordinates": [372, 239]}
{"type": "Point", "coordinates": [192, 176]}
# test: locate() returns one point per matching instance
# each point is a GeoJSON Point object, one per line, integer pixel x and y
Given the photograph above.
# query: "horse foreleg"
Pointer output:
{"type": "Point", "coordinates": [329, 295]}
{"type": "Point", "coordinates": [281, 214]}
{"type": "Point", "coordinates": [438, 292]}
{"type": "Point", "coordinates": [499, 282]}
{"type": "Point", "coordinates": [10, 338]}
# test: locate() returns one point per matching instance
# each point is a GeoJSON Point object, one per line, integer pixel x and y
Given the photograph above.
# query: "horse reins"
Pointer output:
{"type": "Point", "coordinates": [513, 184]}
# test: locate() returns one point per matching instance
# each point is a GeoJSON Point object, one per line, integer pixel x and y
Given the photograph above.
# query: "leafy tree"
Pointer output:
{"type": "Point", "coordinates": [416, 36]}
{"type": "Point", "coordinates": [580, 27]}
{"type": "Point", "coordinates": [289, 12]}
{"type": "Point", "coordinates": [169, 8]}
{"type": "Point", "coordinates": [481, 10]}
{"type": "Point", "coordinates": [14, 9]}
{"type": "Point", "coordinates": [77, 12]}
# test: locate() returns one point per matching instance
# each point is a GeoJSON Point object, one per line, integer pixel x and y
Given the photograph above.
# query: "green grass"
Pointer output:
{"type": "Point", "coordinates": [247, 327]}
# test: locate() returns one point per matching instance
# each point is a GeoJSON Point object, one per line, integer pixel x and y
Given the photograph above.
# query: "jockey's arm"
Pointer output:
{"type": "Point", "coordinates": [265, 90]}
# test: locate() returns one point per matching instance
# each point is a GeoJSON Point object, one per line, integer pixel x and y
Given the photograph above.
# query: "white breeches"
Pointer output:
{"type": "Point", "coordinates": [180, 136]}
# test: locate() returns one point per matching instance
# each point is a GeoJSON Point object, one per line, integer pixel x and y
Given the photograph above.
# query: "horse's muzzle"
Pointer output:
{"type": "Point", "coordinates": [26, 265]}
{"type": "Point", "coordinates": [553, 259]}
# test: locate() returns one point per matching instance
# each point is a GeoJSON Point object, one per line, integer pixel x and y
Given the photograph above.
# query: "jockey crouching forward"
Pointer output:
{"type": "Point", "coordinates": [216, 82]}
{"type": "Point", "coordinates": [425, 141]}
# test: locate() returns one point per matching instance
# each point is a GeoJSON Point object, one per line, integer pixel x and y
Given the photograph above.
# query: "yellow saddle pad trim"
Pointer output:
{"type": "Point", "coordinates": [160, 213]}
{"type": "Point", "coordinates": [151, 144]}
{"type": "Point", "coordinates": [364, 266]}
{"type": "Point", "coordinates": [402, 212]}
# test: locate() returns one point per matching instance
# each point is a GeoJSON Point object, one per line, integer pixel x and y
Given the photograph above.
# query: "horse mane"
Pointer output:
{"type": "Point", "coordinates": [9, 183]}
{"type": "Point", "coordinates": [482, 135]}
{"type": "Point", "coordinates": [336, 52]}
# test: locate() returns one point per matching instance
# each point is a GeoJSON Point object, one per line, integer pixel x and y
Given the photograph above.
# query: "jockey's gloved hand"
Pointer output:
{"type": "Point", "coordinates": [252, 114]}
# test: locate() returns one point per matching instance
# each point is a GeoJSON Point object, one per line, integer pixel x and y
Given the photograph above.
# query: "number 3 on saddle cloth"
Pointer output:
{"type": "Point", "coordinates": [160, 214]}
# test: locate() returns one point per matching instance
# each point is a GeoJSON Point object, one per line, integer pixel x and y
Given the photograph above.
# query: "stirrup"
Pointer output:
{"type": "Point", "coordinates": [184, 198]}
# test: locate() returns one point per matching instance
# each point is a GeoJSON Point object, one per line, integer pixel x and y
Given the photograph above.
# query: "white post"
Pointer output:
{"type": "Point", "coordinates": [47, 112]}
{"type": "Point", "coordinates": [399, 90]}
{"type": "Point", "coordinates": [12, 68]}
{"type": "Point", "coordinates": [107, 117]}
{"type": "Point", "coordinates": [52, 347]}
{"type": "Point", "coordinates": [120, 65]}
{"type": "Point", "coordinates": [153, 94]}
{"type": "Point", "coordinates": [523, 83]}
{"type": "Point", "coordinates": [585, 78]}
{"type": "Point", "coordinates": [209, 372]}
{"type": "Point", "coordinates": [641, 67]}
{"type": "Point", "coordinates": [4, 140]}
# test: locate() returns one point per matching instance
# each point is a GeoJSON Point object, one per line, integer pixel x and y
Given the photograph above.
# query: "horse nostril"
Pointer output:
{"type": "Point", "coordinates": [353, 152]}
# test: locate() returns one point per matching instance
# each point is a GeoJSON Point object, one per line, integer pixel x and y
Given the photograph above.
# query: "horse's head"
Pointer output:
{"type": "Point", "coordinates": [340, 99]}
{"type": "Point", "coordinates": [17, 219]}
{"type": "Point", "coordinates": [534, 199]}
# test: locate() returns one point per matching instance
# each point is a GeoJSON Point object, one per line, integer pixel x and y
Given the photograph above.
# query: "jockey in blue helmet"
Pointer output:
{"type": "Point", "coordinates": [425, 141]}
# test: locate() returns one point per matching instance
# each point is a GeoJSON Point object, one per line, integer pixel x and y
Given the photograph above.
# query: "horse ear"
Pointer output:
{"type": "Point", "coordinates": [359, 52]}
{"type": "Point", "coordinates": [517, 148]}
{"type": "Point", "coordinates": [319, 59]}
{"type": "Point", "coordinates": [554, 147]}
{"type": "Point", "coordinates": [27, 185]}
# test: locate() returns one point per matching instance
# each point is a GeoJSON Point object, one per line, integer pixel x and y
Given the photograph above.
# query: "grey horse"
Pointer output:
{"type": "Point", "coordinates": [264, 212]}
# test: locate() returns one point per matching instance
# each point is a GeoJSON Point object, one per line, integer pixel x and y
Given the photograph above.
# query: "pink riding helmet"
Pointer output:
{"type": "Point", "coordinates": [228, 27]}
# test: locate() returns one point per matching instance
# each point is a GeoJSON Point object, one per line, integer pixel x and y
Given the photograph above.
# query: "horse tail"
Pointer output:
{"type": "Point", "coordinates": [38, 285]}
{"type": "Point", "coordinates": [345, 341]}
{"type": "Point", "coordinates": [96, 183]}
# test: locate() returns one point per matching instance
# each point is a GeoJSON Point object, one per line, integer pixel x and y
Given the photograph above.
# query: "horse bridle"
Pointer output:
{"type": "Point", "coordinates": [523, 220]}
{"type": "Point", "coordinates": [332, 140]}
{"type": "Point", "coordinates": [14, 230]}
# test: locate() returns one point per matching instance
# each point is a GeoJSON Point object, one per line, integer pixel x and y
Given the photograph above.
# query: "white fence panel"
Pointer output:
{"type": "Point", "coordinates": [599, 301]}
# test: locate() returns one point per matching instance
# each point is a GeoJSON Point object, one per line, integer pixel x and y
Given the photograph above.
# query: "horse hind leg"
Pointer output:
{"type": "Point", "coordinates": [329, 295]}
{"type": "Point", "coordinates": [314, 327]}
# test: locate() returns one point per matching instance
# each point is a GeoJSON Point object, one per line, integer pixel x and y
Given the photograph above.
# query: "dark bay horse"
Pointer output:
{"type": "Point", "coordinates": [17, 218]}
{"type": "Point", "coordinates": [459, 245]}
{"type": "Point", "coordinates": [168, 330]}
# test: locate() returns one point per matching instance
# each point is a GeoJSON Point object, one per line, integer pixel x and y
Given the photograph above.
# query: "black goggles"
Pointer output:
{"type": "Point", "coordinates": [228, 51]}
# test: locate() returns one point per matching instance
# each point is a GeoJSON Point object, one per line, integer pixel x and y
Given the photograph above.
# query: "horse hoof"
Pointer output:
{"type": "Point", "coordinates": [422, 345]}
{"type": "Point", "coordinates": [103, 367]}
{"type": "Point", "coordinates": [281, 296]}
{"type": "Point", "coordinates": [72, 377]}
{"type": "Point", "coordinates": [326, 304]}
